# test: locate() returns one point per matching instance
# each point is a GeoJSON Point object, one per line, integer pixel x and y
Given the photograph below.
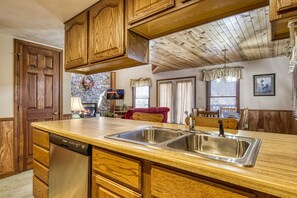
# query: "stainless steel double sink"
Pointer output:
{"type": "Point", "coordinates": [239, 150]}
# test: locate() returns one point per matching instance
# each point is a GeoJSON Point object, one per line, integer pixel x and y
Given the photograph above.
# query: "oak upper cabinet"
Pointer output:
{"type": "Point", "coordinates": [286, 6]}
{"type": "Point", "coordinates": [140, 9]}
{"type": "Point", "coordinates": [76, 41]}
{"type": "Point", "coordinates": [106, 30]}
{"type": "Point", "coordinates": [280, 9]}
{"type": "Point", "coordinates": [280, 12]}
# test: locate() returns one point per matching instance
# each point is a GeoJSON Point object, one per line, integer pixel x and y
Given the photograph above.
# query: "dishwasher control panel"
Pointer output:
{"type": "Point", "coordinates": [70, 144]}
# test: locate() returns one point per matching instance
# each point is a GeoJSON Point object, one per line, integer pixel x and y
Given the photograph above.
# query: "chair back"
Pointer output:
{"type": "Point", "coordinates": [229, 123]}
{"type": "Point", "coordinates": [209, 114]}
{"type": "Point", "coordinates": [151, 117]}
{"type": "Point", "coordinates": [244, 119]}
{"type": "Point", "coordinates": [225, 111]}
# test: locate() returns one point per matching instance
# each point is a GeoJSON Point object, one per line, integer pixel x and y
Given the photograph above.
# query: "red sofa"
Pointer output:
{"type": "Point", "coordinates": [154, 110]}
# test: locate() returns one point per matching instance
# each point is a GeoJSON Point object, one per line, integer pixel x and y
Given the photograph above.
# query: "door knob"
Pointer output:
{"type": "Point", "coordinates": [55, 113]}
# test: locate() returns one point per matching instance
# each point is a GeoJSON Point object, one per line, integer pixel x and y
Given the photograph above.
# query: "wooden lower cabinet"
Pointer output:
{"type": "Point", "coordinates": [105, 188]}
{"type": "Point", "coordinates": [166, 183]}
{"type": "Point", "coordinates": [40, 190]}
{"type": "Point", "coordinates": [40, 163]}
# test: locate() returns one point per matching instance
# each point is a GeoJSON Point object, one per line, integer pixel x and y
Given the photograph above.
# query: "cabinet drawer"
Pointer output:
{"type": "Point", "coordinates": [119, 168]}
{"type": "Point", "coordinates": [41, 138]}
{"type": "Point", "coordinates": [40, 190]}
{"type": "Point", "coordinates": [41, 155]}
{"type": "Point", "coordinates": [40, 171]}
{"type": "Point", "coordinates": [103, 187]}
{"type": "Point", "coordinates": [138, 10]}
{"type": "Point", "coordinates": [167, 183]}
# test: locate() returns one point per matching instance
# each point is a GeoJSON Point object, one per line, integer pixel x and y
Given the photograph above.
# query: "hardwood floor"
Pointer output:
{"type": "Point", "coordinates": [19, 185]}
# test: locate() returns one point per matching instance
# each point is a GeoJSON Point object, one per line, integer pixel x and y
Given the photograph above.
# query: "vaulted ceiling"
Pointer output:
{"type": "Point", "coordinates": [246, 36]}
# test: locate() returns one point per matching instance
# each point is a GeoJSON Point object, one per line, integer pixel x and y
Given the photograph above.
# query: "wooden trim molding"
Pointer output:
{"type": "Point", "coordinates": [67, 116]}
{"type": "Point", "coordinates": [6, 119]}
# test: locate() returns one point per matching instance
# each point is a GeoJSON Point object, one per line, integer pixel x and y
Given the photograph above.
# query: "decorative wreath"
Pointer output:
{"type": "Point", "coordinates": [87, 82]}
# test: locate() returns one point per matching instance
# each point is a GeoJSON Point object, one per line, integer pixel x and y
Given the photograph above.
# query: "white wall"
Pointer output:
{"type": "Point", "coordinates": [6, 76]}
{"type": "Point", "coordinates": [66, 92]}
{"type": "Point", "coordinates": [278, 65]}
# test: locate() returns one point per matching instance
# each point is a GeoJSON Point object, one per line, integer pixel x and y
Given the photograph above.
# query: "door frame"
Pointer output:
{"type": "Point", "coordinates": [18, 65]}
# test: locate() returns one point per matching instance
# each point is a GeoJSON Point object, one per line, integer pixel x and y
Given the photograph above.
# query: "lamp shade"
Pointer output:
{"type": "Point", "coordinates": [76, 104]}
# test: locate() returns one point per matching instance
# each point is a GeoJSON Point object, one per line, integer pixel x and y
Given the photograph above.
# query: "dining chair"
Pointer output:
{"type": "Point", "coordinates": [152, 117]}
{"type": "Point", "coordinates": [209, 114]}
{"type": "Point", "coordinates": [244, 119]}
{"type": "Point", "coordinates": [226, 111]}
{"type": "Point", "coordinates": [228, 123]}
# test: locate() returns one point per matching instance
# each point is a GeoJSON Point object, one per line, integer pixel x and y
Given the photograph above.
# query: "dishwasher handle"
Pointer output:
{"type": "Point", "coordinates": [73, 145]}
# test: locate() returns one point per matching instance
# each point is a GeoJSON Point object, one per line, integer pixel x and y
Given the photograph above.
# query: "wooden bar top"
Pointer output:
{"type": "Point", "coordinates": [275, 171]}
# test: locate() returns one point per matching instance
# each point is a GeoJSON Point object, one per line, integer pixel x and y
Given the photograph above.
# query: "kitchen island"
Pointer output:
{"type": "Point", "coordinates": [149, 171]}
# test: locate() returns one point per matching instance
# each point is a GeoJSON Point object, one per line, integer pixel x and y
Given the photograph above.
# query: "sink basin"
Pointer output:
{"type": "Point", "coordinates": [234, 149]}
{"type": "Point", "coordinates": [242, 151]}
{"type": "Point", "coordinates": [151, 135]}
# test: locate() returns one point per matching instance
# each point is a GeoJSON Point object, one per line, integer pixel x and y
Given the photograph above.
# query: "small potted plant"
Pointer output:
{"type": "Point", "coordinates": [124, 107]}
{"type": "Point", "coordinates": [108, 114]}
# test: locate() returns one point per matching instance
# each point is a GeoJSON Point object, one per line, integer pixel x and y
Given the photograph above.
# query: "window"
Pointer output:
{"type": "Point", "coordinates": [222, 94]}
{"type": "Point", "coordinates": [178, 95]}
{"type": "Point", "coordinates": [141, 97]}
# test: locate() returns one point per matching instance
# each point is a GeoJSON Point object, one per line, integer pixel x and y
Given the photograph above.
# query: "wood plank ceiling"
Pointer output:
{"type": "Point", "coordinates": [246, 36]}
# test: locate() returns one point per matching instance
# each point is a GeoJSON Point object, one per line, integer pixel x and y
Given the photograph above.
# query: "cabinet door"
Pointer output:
{"type": "Point", "coordinates": [106, 36]}
{"type": "Point", "coordinates": [167, 183]}
{"type": "Point", "coordinates": [105, 188]}
{"type": "Point", "coordinates": [286, 6]}
{"type": "Point", "coordinates": [139, 9]}
{"type": "Point", "coordinates": [76, 33]}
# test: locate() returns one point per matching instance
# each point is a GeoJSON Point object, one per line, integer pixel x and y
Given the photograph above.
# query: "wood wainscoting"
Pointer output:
{"type": "Point", "coordinates": [273, 121]}
{"type": "Point", "coordinates": [8, 148]}
{"type": "Point", "coordinates": [67, 116]}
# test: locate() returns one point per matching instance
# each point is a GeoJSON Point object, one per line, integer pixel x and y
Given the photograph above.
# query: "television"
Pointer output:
{"type": "Point", "coordinates": [115, 94]}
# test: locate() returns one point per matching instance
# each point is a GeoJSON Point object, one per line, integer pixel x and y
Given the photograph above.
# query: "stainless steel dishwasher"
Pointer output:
{"type": "Point", "coordinates": [69, 171]}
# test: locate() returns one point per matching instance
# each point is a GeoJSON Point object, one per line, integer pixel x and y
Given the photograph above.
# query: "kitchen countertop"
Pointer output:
{"type": "Point", "coordinates": [275, 171]}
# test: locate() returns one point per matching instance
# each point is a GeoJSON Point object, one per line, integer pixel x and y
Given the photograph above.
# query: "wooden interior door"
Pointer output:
{"type": "Point", "coordinates": [39, 97]}
{"type": "Point", "coordinates": [106, 36]}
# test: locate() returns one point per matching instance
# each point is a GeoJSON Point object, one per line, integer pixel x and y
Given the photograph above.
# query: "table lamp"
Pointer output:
{"type": "Point", "coordinates": [76, 107]}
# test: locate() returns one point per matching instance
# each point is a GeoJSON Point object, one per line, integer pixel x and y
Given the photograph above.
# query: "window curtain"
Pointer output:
{"type": "Point", "coordinates": [294, 79]}
{"type": "Point", "coordinates": [166, 98]}
{"type": "Point", "coordinates": [184, 99]}
{"type": "Point", "coordinates": [293, 59]}
{"type": "Point", "coordinates": [213, 74]}
{"type": "Point", "coordinates": [141, 82]}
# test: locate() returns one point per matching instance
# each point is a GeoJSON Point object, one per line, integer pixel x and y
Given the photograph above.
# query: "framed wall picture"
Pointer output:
{"type": "Point", "coordinates": [91, 109]}
{"type": "Point", "coordinates": [264, 85]}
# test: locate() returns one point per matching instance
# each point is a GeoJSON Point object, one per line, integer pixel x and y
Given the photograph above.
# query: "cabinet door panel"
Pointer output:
{"type": "Point", "coordinates": [139, 9]}
{"type": "Point", "coordinates": [106, 37]}
{"type": "Point", "coordinates": [167, 183]}
{"type": "Point", "coordinates": [122, 169]}
{"type": "Point", "coordinates": [286, 6]}
{"type": "Point", "coordinates": [76, 31]}
{"type": "Point", "coordinates": [105, 188]}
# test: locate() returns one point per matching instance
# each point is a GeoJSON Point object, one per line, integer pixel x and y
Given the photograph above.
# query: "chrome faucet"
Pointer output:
{"type": "Point", "coordinates": [191, 122]}
{"type": "Point", "coordinates": [221, 127]}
